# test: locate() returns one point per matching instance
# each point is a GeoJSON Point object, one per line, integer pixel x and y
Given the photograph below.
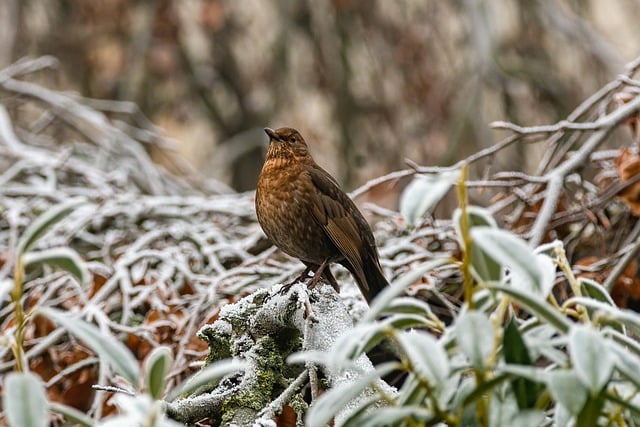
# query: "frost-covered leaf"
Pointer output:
{"type": "Point", "coordinates": [547, 269]}
{"type": "Point", "coordinates": [627, 317]}
{"type": "Point", "coordinates": [211, 373]}
{"type": "Point", "coordinates": [474, 334]}
{"type": "Point", "coordinates": [528, 418]}
{"type": "Point", "coordinates": [531, 272]}
{"type": "Point", "coordinates": [139, 410]}
{"type": "Point", "coordinates": [316, 357]}
{"type": "Point", "coordinates": [566, 388]}
{"type": "Point", "coordinates": [5, 287]}
{"type": "Point", "coordinates": [478, 217]}
{"type": "Point", "coordinates": [424, 192]}
{"type": "Point", "coordinates": [64, 258]}
{"type": "Point", "coordinates": [363, 337]}
{"type": "Point", "coordinates": [156, 368]}
{"type": "Point", "coordinates": [505, 412]}
{"type": "Point", "coordinates": [536, 305]}
{"type": "Point", "coordinates": [485, 266]}
{"type": "Point", "coordinates": [24, 400]}
{"type": "Point", "coordinates": [354, 342]}
{"type": "Point", "coordinates": [71, 415]}
{"type": "Point", "coordinates": [331, 402]}
{"type": "Point", "coordinates": [426, 355]}
{"type": "Point", "coordinates": [384, 298]}
{"type": "Point", "coordinates": [391, 416]}
{"type": "Point", "coordinates": [104, 344]}
{"type": "Point", "coordinates": [45, 221]}
{"type": "Point", "coordinates": [595, 290]}
{"type": "Point", "coordinates": [408, 305]}
{"type": "Point", "coordinates": [627, 363]}
{"type": "Point", "coordinates": [593, 360]}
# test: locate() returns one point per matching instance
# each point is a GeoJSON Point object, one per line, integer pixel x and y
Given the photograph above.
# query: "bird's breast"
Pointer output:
{"type": "Point", "coordinates": [284, 197]}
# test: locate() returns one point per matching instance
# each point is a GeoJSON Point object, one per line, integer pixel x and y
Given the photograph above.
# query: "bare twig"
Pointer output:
{"type": "Point", "coordinates": [555, 178]}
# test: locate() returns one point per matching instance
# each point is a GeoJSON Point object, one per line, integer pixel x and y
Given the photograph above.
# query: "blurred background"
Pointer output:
{"type": "Point", "coordinates": [368, 83]}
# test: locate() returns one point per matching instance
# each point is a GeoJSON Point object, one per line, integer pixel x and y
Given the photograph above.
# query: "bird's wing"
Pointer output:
{"type": "Point", "coordinates": [337, 215]}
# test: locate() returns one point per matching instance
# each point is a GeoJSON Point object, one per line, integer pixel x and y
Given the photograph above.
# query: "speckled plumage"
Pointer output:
{"type": "Point", "coordinates": [303, 210]}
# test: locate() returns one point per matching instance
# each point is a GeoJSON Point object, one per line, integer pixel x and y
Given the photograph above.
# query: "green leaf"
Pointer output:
{"type": "Point", "coordinates": [514, 348]}
{"type": "Point", "coordinates": [25, 401]}
{"type": "Point", "coordinates": [356, 341]}
{"type": "Point", "coordinates": [392, 416]}
{"type": "Point", "coordinates": [472, 391]}
{"type": "Point", "coordinates": [516, 352]}
{"type": "Point", "coordinates": [103, 343]}
{"type": "Point", "coordinates": [427, 357]}
{"type": "Point", "coordinates": [595, 290]}
{"type": "Point", "coordinates": [211, 373]}
{"type": "Point", "coordinates": [592, 358]}
{"type": "Point", "coordinates": [530, 272]}
{"type": "Point", "coordinates": [156, 368]}
{"type": "Point", "coordinates": [566, 388]}
{"type": "Point", "coordinates": [412, 391]}
{"type": "Point", "coordinates": [408, 305]}
{"type": "Point", "coordinates": [484, 266]}
{"type": "Point", "coordinates": [505, 412]}
{"type": "Point", "coordinates": [331, 402]}
{"type": "Point", "coordinates": [609, 313]}
{"type": "Point", "coordinates": [71, 415]}
{"type": "Point", "coordinates": [139, 411]}
{"type": "Point", "coordinates": [474, 334]}
{"type": "Point", "coordinates": [397, 287]}
{"type": "Point", "coordinates": [591, 412]}
{"type": "Point", "coordinates": [354, 418]}
{"type": "Point", "coordinates": [64, 258]}
{"type": "Point", "coordinates": [536, 305]}
{"type": "Point", "coordinates": [627, 362]}
{"type": "Point", "coordinates": [423, 193]}
{"type": "Point", "coordinates": [364, 337]}
{"type": "Point", "coordinates": [533, 374]}
{"type": "Point", "coordinates": [44, 222]}
{"type": "Point", "coordinates": [528, 418]}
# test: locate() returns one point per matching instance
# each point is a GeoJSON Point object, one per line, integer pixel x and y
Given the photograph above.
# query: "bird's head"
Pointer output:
{"type": "Point", "coordinates": [286, 142]}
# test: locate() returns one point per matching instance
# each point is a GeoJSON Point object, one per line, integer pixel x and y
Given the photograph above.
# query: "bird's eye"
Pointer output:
{"type": "Point", "coordinates": [292, 138]}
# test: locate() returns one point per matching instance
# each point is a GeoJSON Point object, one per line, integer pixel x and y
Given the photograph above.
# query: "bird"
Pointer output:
{"type": "Point", "coordinates": [304, 212]}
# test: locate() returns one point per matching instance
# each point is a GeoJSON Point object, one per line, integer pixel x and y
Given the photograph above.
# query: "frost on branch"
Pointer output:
{"type": "Point", "coordinates": [264, 329]}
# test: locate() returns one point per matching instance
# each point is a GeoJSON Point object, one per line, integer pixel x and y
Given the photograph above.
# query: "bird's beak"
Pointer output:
{"type": "Point", "coordinates": [271, 133]}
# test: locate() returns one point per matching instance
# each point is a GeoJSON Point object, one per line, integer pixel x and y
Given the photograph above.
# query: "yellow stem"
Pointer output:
{"type": "Point", "coordinates": [465, 237]}
{"type": "Point", "coordinates": [16, 298]}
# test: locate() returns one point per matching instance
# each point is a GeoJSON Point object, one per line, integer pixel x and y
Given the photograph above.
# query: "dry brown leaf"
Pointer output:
{"type": "Point", "coordinates": [628, 166]}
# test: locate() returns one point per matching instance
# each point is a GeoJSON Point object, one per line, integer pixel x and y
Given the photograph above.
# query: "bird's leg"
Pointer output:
{"type": "Point", "coordinates": [324, 271]}
{"type": "Point", "coordinates": [332, 280]}
{"type": "Point", "coordinates": [304, 275]}
{"type": "Point", "coordinates": [321, 270]}
{"type": "Point", "coordinates": [316, 275]}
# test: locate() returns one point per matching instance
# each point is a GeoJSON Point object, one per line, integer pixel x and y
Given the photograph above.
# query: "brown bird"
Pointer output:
{"type": "Point", "coordinates": [303, 210]}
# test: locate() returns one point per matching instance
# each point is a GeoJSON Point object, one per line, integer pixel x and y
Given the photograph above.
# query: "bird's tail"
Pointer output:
{"type": "Point", "coordinates": [370, 278]}
{"type": "Point", "coordinates": [375, 279]}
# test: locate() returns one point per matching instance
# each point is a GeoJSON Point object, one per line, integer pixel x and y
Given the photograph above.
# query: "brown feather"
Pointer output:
{"type": "Point", "coordinates": [303, 210]}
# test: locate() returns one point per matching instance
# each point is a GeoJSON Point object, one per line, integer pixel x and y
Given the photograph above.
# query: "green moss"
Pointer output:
{"type": "Point", "coordinates": [265, 349]}
{"type": "Point", "coordinates": [298, 404]}
{"type": "Point", "coordinates": [268, 380]}
{"type": "Point", "coordinates": [219, 344]}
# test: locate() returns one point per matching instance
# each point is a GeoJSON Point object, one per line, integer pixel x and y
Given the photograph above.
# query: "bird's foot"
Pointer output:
{"type": "Point", "coordinates": [323, 271]}
{"type": "Point", "coordinates": [319, 273]}
{"type": "Point", "coordinates": [301, 278]}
